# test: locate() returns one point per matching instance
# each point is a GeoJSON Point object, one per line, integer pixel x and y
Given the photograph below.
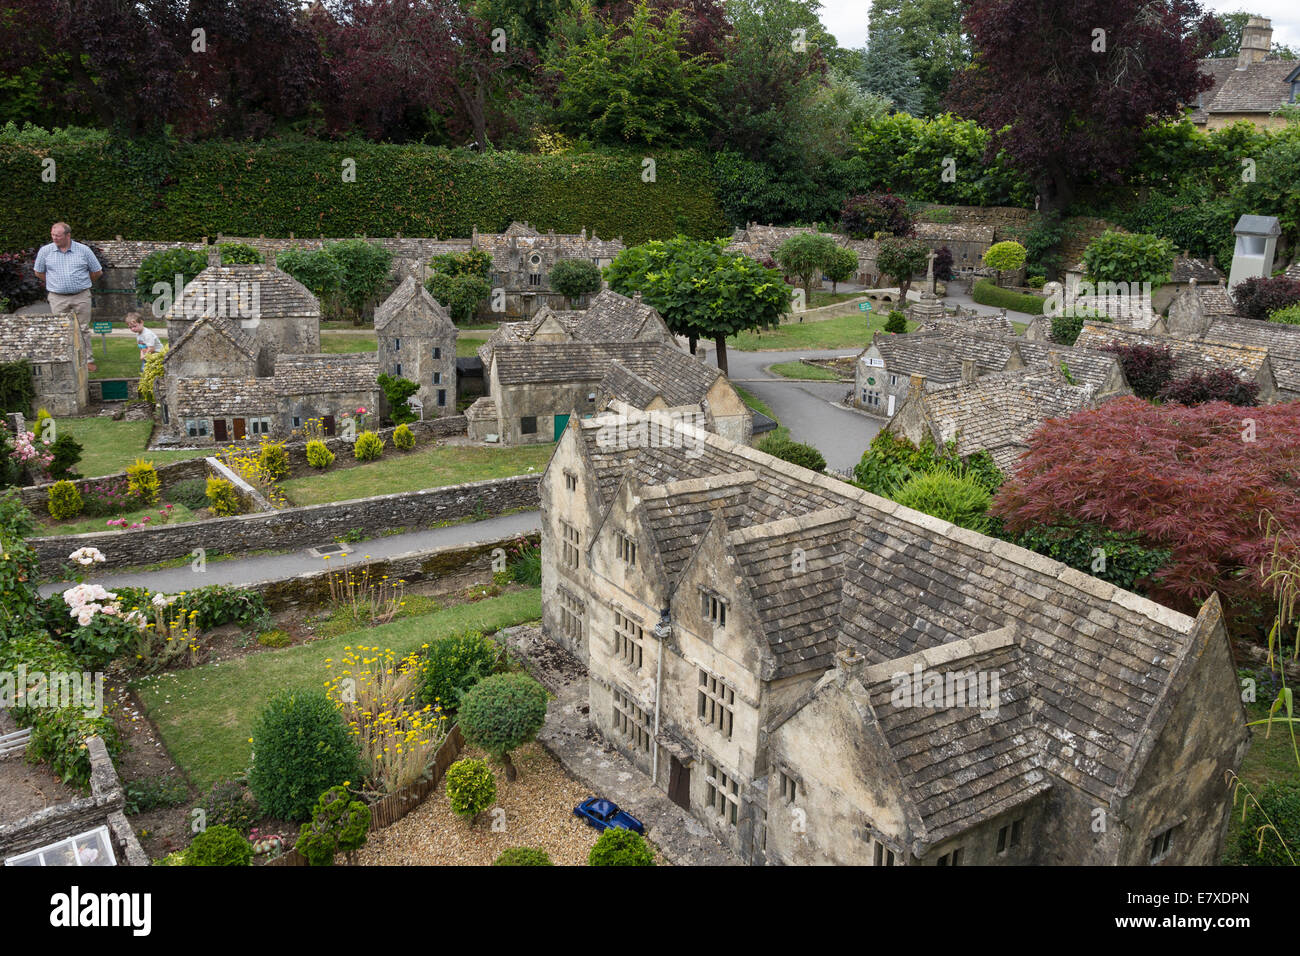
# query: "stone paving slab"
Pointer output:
{"type": "Point", "coordinates": [569, 736]}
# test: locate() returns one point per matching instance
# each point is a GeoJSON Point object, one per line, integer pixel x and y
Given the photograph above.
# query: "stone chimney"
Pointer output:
{"type": "Point", "coordinates": [636, 297]}
{"type": "Point", "coordinates": [968, 372]}
{"type": "Point", "coordinates": [916, 386]}
{"type": "Point", "coordinates": [584, 233]}
{"type": "Point", "coordinates": [848, 666]}
{"type": "Point", "coordinates": [1256, 39]}
{"type": "Point", "coordinates": [270, 258]}
{"type": "Point", "coordinates": [214, 255]}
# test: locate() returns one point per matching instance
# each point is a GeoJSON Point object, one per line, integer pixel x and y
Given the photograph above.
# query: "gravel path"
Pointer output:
{"type": "Point", "coordinates": [538, 813]}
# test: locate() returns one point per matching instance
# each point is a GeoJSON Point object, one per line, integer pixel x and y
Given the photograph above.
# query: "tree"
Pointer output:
{"type": "Point", "coordinates": [943, 264]}
{"type": "Point", "coordinates": [635, 83]}
{"type": "Point", "coordinates": [1260, 296]}
{"type": "Point", "coordinates": [931, 37]}
{"type": "Point", "coordinates": [887, 71]}
{"type": "Point", "coordinates": [471, 788]}
{"type": "Point", "coordinates": [863, 216]}
{"type": "Point", "coordinates": [575, 277]}
{"type": "Point", "coordinates": [806, 254]}
{"type": "Point", "coordinates": [841, 266]}
{"type": "Point", "coordinates": [902, 258]}
{"type": "Point", "coordinates": [1228, 45]}
{"type": "Point", "coordinates": [398, 391]}
{"type": "Point", "coordinates": [1180, 478]}
{"type": "Point", "coordinates": [701, 290]}
{"type": "Point", "coordinates": [1130, 258]}
{"type": "Point", "coordinates": [1100, 72]}
{"type": "Point", "coordinates": [1216, 385]}
{"type": "Point", "coordinates": [502, 712]}
{"type": "Point", "coordinates": [365, 268]}
{"type": "Point", "coordinates": [460, 281]}
{"type": "Point", "coordinates": [338, 824]}
{"type": "Point", "coordinates": [1147, 368]}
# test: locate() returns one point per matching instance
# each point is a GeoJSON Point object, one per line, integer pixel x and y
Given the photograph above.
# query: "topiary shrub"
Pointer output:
{"type": "Point", "coordinates": [403, 438]}
{"type": "Point", "coordinates": [222, 497]}
{"type": "Point", "coordinates": [618, 847]}
{"type": "Point", "coordinates": [502, 712]}
{"type": "Point", "coordinates": [67, 452]}
{"type": "Point", "coordinates": [301, 748]}
{"type": "Point", "coordinates": [573, 278]}
{"type": "Point", "coordinates": [143, 482]}
{"type": "Point", "coordinates": [220, 846]}
{"type": "Point", "coordinates": [274, 459]}
{"type": "Point", "coordinates": [522, 856]}
{"type": "Point", "coordinates": [950, 497]}
{"type": "Point", "coordinates": [806, 456]}
{"type": "Point", "coordinates": [471, 788]}
{"type": "Point", "coordinates": [1006, 256]}
{"type": "Point", "coordinates": [239, 254]}
{"type": "Point", "coordinates": [1279, 803]}
{"type": "Point", "coordinates": [231, 804]}
{"type": "Point", "coordinates": [339, 824]}
{"type": "Point", "coordinates": [319, 454]}
{"type": "Point", "coordinates": [454, 664]}
{"type": "Point", "coordinates": [64, 501]}
{"type": "Point", "coordinates": [368, 447]}
{"type": "Point", "coordinates": [897, 322]}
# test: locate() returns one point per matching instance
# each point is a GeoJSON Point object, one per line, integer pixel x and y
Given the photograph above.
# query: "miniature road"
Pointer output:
{"type": "Point", "coordinates": [809, 409]}
{"type": "Point", "coordinates": [241, 572]}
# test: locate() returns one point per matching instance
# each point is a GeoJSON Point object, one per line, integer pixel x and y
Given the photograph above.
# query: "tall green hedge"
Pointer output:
{"type": "Point", "coordinates": [187, 190]}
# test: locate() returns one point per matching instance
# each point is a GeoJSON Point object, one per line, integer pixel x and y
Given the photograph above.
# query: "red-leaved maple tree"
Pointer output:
{"type": "Point", "coordinates": [1195, 480]}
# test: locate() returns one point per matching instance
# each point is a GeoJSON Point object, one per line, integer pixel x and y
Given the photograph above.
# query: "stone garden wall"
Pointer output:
{"type": "Point", "coordinates": [295, 528]}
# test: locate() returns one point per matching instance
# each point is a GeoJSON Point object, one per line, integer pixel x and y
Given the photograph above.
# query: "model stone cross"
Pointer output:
{"type": "Point", "coordinates": [929, 269]}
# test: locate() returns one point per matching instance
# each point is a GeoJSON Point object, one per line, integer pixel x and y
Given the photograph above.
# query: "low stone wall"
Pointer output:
{"type": "Point", "coordinates": [313, 589]}
{"type": "Point", "coordinates": [63, 820]}
{"type": "Point", "coordinates": [251, 500]}
{"type": "Point", "coordinates": [295, 528]}
{"type": "Point", "coordinates": [35, 497]}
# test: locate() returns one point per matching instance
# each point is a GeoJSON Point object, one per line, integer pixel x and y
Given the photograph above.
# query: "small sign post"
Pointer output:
{"type": "Point", "coordinates": [864, 306]}
{"type": "Point", "coordinates": [103, 328]}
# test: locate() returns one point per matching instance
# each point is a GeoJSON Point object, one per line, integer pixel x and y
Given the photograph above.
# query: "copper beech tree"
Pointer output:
{"type": "Point", "coordinates": [1196, 480]}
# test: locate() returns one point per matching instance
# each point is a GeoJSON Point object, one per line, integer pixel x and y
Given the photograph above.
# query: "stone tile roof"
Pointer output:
{"type": "Point", "coordinates": [129, 253]}
{"type": "Point", "coordinates": [970, 322]}
{"type": "Point", "coordinates": [1293, 270]}
{"type": "Point", "coordinates": [627, 386]}
{"type": "Point", "coordinates": [1190, 355]}
{"type": "Point", "coordinates": [1281, 340]}
{"type": "Point", "coordinates": [1215, 300]}
{"type": "Point", "coordinates": [1260, 88]}
{"type": "Point", "coordinates": [611, 317]}
{"type": "Point", "coordinates": [761, 242]}
{"type": "Point", "coordinates": [678, 512]}
{"type": "Point", "coordinates": [1218, 68]}
{"type": "Point", "coordinates": [318, 374]}
{"type": "Point", "coordinates": [998, 413]}
{"type": "Point", "coordinates": [954, 231]}
{"type": "Point", "coordinates": [1188, 267]}
{"type": "Point", "coordinates": [221, 397]}
{"type": "Point", "coordinates": [412, 299]}
{"type": "Point", "coordinates": [680, 378]}
{"type": "Point", "coordinates": [241, 339]}
{"type": "Point", "coordinates": [212, 291]}
{"type": "Point", "coordinates": [40, 337]}
{"type": "Point", "coordinates": [1087, 677]}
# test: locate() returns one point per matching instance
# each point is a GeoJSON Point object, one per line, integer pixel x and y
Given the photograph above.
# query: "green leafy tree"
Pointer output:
{"type": "Point", "coordinates": [471, 788]}
{"type": "Point", "coordinates": [841, 266]}
{"type": "Point", "coordinates": [163, 266]}
{"type": "Point", "coordinates": [902, 258]}
{"type": "Point", "coordinates": [338, 824]}
{"type": "Point", "coordinates": [301, 748]}
{"type": "Point", "coordinates": [700, 290]}
{"type": "Point", "coordinates": [365, 266]}
{"type": "Point", "coordinates": [460, 281]}
{"type": "Point", "coordinates": [575, 277]}
{"type": "Point", "coordinates": [502, 712]}
{"type": "Point", "coordinates": [618, 847]}
{"type": "Point", "coordinates": [239, 253]}
{"type": "Point", "coordinates": [635, 83]}
{"type": "Point", "coordinates": [454, 664]}
{"type": "Point", "coordinates": [930, 36]}
{"type": "Point", "coordinates": [1005, 256]}
{"type": "Point", "coordinates": [319, 271]}
{"type": "Point", "coordinates": [805, 255]}
{"type": "Point", "coordinates": [398, 391]}
{"type": "Point", "coordinates": [1131, 258]}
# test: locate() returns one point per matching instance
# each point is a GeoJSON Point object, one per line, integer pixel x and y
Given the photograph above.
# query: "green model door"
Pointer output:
{"type": "Point", "coordinates": [560, 422]}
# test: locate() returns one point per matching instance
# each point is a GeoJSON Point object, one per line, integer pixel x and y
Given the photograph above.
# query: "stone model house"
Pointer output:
{"type": "Point", "coordinates": [1186, 272]}
{"type": "Point", "coordinates": [1251, 87]}
{"type": "Point", "coordinates": [752, 631]}
{"type": "Point", "coordinates": [417, 341]}
{"type": "Point", "coordinates": [244, 361]}
{"type": "Point", "coordinates": [537, 387]}
{"type": "Point", "coordinates": [968, 241]}
{"type": "Point", "coordinates": [760, 242]}
{"type": "Point", "coordinates": [1250, 363]}
{"type": "Point", "coordinates": [950, 354]}
{"type": "Point", "coordinates": [52, 345]}
{"type": "Point", "coordinates": [522, 259]}
{"type": "Point", "coordinates": [609, 317]}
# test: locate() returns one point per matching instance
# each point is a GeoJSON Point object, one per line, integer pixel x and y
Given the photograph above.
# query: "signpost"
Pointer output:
{"type": "Point", "coordinates": [864, 306]}
{"type": "Point", "coordinates": [103, 328]}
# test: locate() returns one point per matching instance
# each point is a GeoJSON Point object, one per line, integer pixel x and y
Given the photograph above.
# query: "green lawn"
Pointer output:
{"type": "Point", "coordinates": [1267, 760]}
{"type": "Point", "coordinates": [432, 468]}
{"type": "Point", "coordinates": [123, 356]}
{"type": "Point", "coordinates": [846, 331]}
{"type": "Point", "coordinates": [83, 525]}
{"type": "Point", "coordinates": [467, 343]}
{"type": "Point", "coordinates": [799, 370]}
{"type": "Point", "coordinates": [206, 714]}
{"type": "Point", "coordinates": [107, 447]}
{"type": "Point", "coordinates": [338, 343]}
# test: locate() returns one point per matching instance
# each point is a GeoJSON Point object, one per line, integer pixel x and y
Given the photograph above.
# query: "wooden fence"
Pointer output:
{"type": "Point", "coordinates": [393, 807]}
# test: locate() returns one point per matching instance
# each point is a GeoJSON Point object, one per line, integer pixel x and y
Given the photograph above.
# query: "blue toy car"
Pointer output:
{"type": "Point", "coordinates": [602, 814]}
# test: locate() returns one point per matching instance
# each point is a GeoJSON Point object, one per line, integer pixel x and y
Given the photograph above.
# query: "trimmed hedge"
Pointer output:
{"type": "Point", "coordinates": [183, 191]}
{"type": "Point", "coordinates": [987, 293]}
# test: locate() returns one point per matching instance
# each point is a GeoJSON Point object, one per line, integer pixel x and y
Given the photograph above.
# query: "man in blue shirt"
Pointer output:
{"type": "Point", "coordinates": [68, 268]}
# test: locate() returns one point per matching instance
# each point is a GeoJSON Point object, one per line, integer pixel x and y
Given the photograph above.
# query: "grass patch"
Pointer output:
{"type": "Point", "coordinates": [431, 468]}
{"type": "Point", "coordinates": [842, 332]}
{"type": "Point", "coordinates": [1268, 760]}
{"type": "Point", "coordinates": [107, 447]}
{"type": "Point", "coordinates": [467, 343]}
{"type": "Point", "coordinates": [123, 359]}
{"type": "Point", "coordinates": [206, 714]}
{"type": "Point", "coordinates": [756, 404]}
{"type": "Point", "coordinates": [819, 299]}
{"type": "Point", "coordinates": [799, 370]}
{"type": "Point", "coordinates": [48, 526]}
{"type": "Point", "coordinates": [342, 343]}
